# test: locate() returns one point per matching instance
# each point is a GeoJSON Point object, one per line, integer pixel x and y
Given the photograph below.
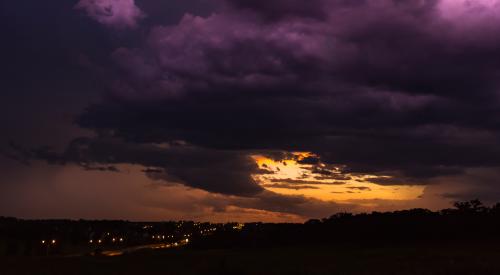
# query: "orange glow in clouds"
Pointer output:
{"type": "Point", "coordinates": [288, 177]}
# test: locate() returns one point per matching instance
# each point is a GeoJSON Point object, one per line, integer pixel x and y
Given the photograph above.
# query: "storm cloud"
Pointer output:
{"type": "Point", "coordinates": [225, 172]}
{"type": "Point", "coordinates": [398, 92]}
{"type": "Point", "coordinates": [406, 91]}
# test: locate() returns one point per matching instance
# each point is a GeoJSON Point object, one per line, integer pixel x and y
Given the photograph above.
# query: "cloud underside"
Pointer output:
{"type": "Point", "coordinates": [116, 14]}
{"type": "Point", "coordinates": [407, 89]}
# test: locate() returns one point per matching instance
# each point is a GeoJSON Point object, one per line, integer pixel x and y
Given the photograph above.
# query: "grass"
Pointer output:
{"type": "Point", "coordinates": [450, 258]}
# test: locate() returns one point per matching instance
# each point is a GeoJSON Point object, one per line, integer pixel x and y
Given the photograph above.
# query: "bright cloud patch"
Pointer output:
{"type": "Point", "coordinates": [301, 175]}
{"type": "Point", "coordinates": [119, 14]}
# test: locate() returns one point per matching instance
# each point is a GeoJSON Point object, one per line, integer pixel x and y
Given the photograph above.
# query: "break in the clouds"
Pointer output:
{"type": "Point", "coordinates": [118, 14]}
{"type": "Point", "coordinates": [378, 93]}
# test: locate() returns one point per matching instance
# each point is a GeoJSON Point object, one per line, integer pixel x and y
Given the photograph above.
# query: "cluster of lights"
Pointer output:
{"type": "Point", "coordinates": [99, 241]}
{"type": "Point", "coordinates": [165, 236]}
{"type": "Point", "coordinates": [114, 239]}
{"type": "Point", "coordinates": [239, 226]}
{"type": "Point", "coordinates": [49, 242]}
{"type": "Point", "coordinates": [207, 230]}
{"type": "Point", "coordinates": [159, 237]}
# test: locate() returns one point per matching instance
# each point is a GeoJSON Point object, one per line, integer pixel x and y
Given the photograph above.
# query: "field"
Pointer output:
{"type": "Point", "coordinates": [449, 258]}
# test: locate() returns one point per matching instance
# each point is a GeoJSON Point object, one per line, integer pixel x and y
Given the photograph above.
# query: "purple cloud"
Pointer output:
{"type": "Point", "coordinates": [118, 14]}
{"type": "Point", "coordinates": [398, 47]}
{"type": "Point", "coordinates": [383, 87]}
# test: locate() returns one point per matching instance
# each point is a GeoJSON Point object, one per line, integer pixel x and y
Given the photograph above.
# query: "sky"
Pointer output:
{"type": "Point", "coordinates": [240, 110]}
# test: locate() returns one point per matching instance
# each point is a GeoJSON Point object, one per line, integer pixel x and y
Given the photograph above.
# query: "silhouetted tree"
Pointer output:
{"type": "Point", "coordinates": [470, 207]}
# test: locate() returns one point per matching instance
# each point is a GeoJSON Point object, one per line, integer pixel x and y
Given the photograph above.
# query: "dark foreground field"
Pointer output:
{"type": "Point", "coordinates": [448, 258]}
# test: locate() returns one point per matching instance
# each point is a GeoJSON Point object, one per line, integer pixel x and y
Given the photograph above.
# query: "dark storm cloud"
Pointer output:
{"type": "Point", "coordinates": [131, 14]}
{"type": "Point", "coordinates": [388, 87]}
{"type": "Point", "coordinates": [225, 172]}
{"type": "Point", "coordinates": [299, 205]}
{"type": "Point", "coordinates": [309, 160]}
{"type": "Point", "coordinates": [302, 182]}
{"type": "Point", "coordinates": [287, 185]}
{"type": "Point", "coordinates": [278, 9]}
{"type": "Point", "coordinates": [360, 188]}
{"type": "Point", "coordinates": [272, 202]}
{"type": "Point", "coordinates": [476, 183]}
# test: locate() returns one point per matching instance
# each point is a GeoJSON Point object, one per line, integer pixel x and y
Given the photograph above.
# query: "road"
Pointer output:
{"type": "Point", "coordinates": [118, 252]}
